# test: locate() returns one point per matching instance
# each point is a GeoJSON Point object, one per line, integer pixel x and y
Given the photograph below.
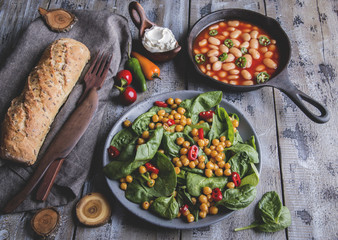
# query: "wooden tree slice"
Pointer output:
{"type": "Point", "coordinates": [45, 221]}
{"type": "Point", "coordinates": [58, 20]}
{"type": "Point", "coordinates": [93, 210]}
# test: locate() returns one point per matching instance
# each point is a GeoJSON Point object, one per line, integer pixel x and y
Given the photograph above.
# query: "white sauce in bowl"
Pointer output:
{"type": "Point", "coordinates": [159, 39]}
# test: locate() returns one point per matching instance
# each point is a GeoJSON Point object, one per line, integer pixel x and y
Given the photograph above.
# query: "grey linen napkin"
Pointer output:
{"type": "Point", "coordinates": [103, 31]}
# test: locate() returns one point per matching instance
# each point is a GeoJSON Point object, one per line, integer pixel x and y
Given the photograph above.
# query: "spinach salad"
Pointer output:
{"type": "Point", "coordinates": [185, 159]}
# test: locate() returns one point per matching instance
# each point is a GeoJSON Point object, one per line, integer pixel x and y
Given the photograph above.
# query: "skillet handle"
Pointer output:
{"type": "Point", "coordinates": [139, 18]}
{"type": "Point", "coordinates": [298, 97]}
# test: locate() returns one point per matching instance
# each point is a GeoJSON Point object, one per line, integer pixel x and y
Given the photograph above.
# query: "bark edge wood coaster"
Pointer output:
{"type": "Point", "coordinates": [45, 221]}
{"type": "Point", "coordinates": [93, 210]}
{"type": "Point", "coordinates": [58, 20]}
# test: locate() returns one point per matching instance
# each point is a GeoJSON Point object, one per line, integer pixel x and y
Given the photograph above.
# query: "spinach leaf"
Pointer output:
{"type": "Point", "coordinates": [253, 176]}
{"type": "Point", "coordinates": [276, 217]}
{"type": "Point", "coordinates": [165, 184]}
{"type": "Point", "coordinates": [144, 153]}
{"type": "Point", "coordinates": [204, 125]}
{"type": "Point", "coordinates": [238, 198]}
{"type": "Point", "coordinates": [123, 138]}
{"type": "Point", "coordinates": [183, 197]}
{"type": "Point", "coordinates": [181, 178]}
{"type": "Point", "coordinates": [217, 129]}
{"type": "Point", "coordinates": [240, 163]}
{"type": "Point", "coordinates": [169, 143]}
{"type": "Point", "coordinates": [284, 222]}
{"type": "Point", "coordinates": [165, 207]}
{"type": "Point", "coordinates": [242, 147]}
{"type": "Point", "coordinates": [201, 103]}
{"type": "Point", "coordinates": [237, 138]}
{"type": "Point", "coordinates": [193, 170]}
{"type": "Point", "coordinates": [251, 142]}
{"type": "Point", "coordinates": [156, 109]}
{"type": "Point", "coordinates": [196, 182]}
{"type": "Point", "coordinates": [141, 123]}
{"type": "Point", "coordinates": [225, 119]}
{"type": "Point", "coordinates": [270, 207]}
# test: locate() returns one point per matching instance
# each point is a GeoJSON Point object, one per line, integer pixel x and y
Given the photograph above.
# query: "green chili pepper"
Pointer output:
{"type": "Point", "coordinates": [229, 43]}
{"type": "Point", "coordinates": [264, 41]}
{"type": "Point", "coordinates": [262, 77]}
{"type": "Point", "coordinates": [223, 57]}
{"type": "Point", "coordinates": [240, 62]}
{"type": "Point", "coordinates": [134, 66]}
{"type": "Point", "coordinates": [200, 58]}
{"type": "Point", "coordinates": [213, 32]}
{"type": "Point", "coordinates": [244, 50]}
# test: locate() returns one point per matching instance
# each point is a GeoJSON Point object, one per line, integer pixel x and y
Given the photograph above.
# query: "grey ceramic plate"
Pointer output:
{"type": "Point", "coordinates": [245, 129]}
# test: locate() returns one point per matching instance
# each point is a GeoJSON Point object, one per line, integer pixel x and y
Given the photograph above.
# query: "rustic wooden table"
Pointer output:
{"type": "Point", "coordinates": [299, 156]}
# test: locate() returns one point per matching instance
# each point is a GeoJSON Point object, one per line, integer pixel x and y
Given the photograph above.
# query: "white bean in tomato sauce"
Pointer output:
{"type": "Point", "coordinates": [236, 52]}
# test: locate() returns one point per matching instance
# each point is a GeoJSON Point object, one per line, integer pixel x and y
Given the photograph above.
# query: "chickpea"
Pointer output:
{"type": "Point", "coordinates": [215, 142]}
{"type": "Point", "coordinates": [215, 166]}
{"type": "Point", "coordinates": [179, 128]}
{"type": "Point", "coordinates": [177, 170]}
{"type": "Point", "coordinates": [170, 101]}
{"type": "Point", "coordinates": [178, 164]}
{"type": "Point", "coordinates": [201, 165]}
{"type": "Point", "coordinates": [193, 200]}
{"type": "Point", "coordinates": [194, 132]}
{"type": "Point", "coordinates": [151, 183]}
{"type": "Point", "coordinates": [207, 190]}
{"type": "Point", "coordinates": [221, 164]}
{"type": "Point", "coordinates": [213, 210]}
{"type": "Point", "coordinates": [171, 117]}
{"type": "Point", "coordinates": [161, 151]}
{"type": "Point", "coordinates": [201, 158]}
{"type": "Point", "coordinates": [178, 215]}
{"type": "Point", "coordinates": [207, 151]}
{"type": "Point", "coordinates": [127, 123]}
{"type": "Point", "coordinates": [196, 138]}
{"type": "Point", "coordinates": [192, 164]}
{"type": "Point", "coordinates": [208, 173]}
{"type": "Point", "coordinates": [123, 186]}
{"type": "Point", "coordinates": [177, 116]}
{"type": "Point", "coordinates": [183, 151]}
{"type": "Point", "coordinates": [174, 106]}
{"type": "Point", "coordinates": [200, 143]}
{"type": "Point", "coordinates": [203, 198]}
{"type": "Point", "coordinates": [180, 140]}
{"type": "Point", "coordinates": [235, 123]}
{"type": "Point", "coordinates": [214, 153]}
{"type": "Point", "coordinates": [185, 162]}
{"type": "Point", "coordinates": [218, 158]}
{"type": "Point", "coordinates": [181, 110]}
{"type": "Point", "coordinates": [122, 180]}
{"type": "Point", "coordinates": [145, 135]}
{"type": "Point", "coordinates": [222, 139]}
{"type": "Point", "coordinates": [142, 169]}
{"type": "Point", "coordinates": [202, 214]}
{"type": "Point", "coordinates": [204, 207]}
{"type": "Point", "coordinates": [227, 172]}
{"type": "Point", "coordinates": [196, 162]}
{"type": "Point", "coordinates": [212, 147]}
{"type": "Point", "coordinates": [152, 125]}
{"type": "Point", "coordinates": [153, 175]}
{"type": "Point", "coordinates": [183, 157]}
{"type": "Point", "coordinates": [227, 143]}
{"type": "Point", "coordinates": [210, 165]}
{"type": "Point", "coordinates": [230, 185]}
{"type": "Point", "coordinates": [190, 218]}
{"type": "Point", "coordinates": [222, 155]}
{"type": "Point", "coordinates": [206, 142]}
{"type": "Point", "coordinates": [129, 179]}
{"type": "Point", "coordinates": [200, 122]}
{"type": "Point", "coordinates": [145, 205]}
{"type": "Point", "coordinates": [189, 121]}
{"type": "Point", "coordinates": [186, 144]}
{"type": "Point", "coordinates": [161, 112]}
{"type": "Point", "coordinates": [227, 166]}
{"type": "Point", "coordinates": [219, 172]}
{"type": "Point", "coordinates": [210, 199]}
{"type": "Point", "coordinates": [183, 122]}
{"type": "Point", "coordinates": [219, 148]}
{"type": "Point", "coordinates": [178, 101]}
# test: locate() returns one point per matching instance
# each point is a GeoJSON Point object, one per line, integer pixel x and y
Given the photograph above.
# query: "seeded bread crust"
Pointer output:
{"type": "Point", "coordinates": [30, 115]}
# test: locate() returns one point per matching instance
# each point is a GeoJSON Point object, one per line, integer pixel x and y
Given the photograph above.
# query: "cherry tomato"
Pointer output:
{"type": "Point", "coordinates": [124, 78]}
{"type": "Point", "coordinates": [128, 95]}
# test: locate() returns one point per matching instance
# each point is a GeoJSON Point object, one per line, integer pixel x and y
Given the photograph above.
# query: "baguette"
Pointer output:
{"type": "Point", "coordinates": [31, 114]}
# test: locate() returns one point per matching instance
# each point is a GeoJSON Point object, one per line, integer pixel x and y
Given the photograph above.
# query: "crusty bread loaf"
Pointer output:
{"type": "Point", "coordinates": [30, 115]}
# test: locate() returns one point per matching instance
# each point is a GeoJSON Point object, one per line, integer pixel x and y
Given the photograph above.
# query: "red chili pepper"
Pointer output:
{"type": "Point", "coordinates": [216, 194]}
{"type": "Point", "coordinates": [184, 208]}
{"type": "Point", "coordinates": [113, 152]}
{"type": "Point", "coordinates": [161, 104]}
{"type": "Point", "coordinates": [192, 153]}
{"type": "Point", "coordinates": [151, 168]}
{"type": "Point", "coordinates": [236, 179]}
{"type": "Point", "coordinates": [201, 133]}
{"type": "Point", "coordinates": [206, 115]}
{"type": "Point", "coordinates": [171, 122]}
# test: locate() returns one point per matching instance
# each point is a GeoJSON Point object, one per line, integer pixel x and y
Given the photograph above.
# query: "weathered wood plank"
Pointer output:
{"type": "Point", "coordinates": [258, 107]}
{"type": "Point", "coordinates": [309, 150]}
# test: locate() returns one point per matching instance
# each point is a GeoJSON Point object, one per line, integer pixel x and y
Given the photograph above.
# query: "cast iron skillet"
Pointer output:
{"type": "Point", "coordinates": [280, 79]}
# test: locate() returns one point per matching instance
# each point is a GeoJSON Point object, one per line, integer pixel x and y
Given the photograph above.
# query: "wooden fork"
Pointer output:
{"type": "Point", "coordinates": [94, 78]}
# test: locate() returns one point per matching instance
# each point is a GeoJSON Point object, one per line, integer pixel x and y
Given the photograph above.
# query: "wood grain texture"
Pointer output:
{"type": "Point", "coordinates": [299, 157]}
{"type": "Point", "coordinates": [308, 150]}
